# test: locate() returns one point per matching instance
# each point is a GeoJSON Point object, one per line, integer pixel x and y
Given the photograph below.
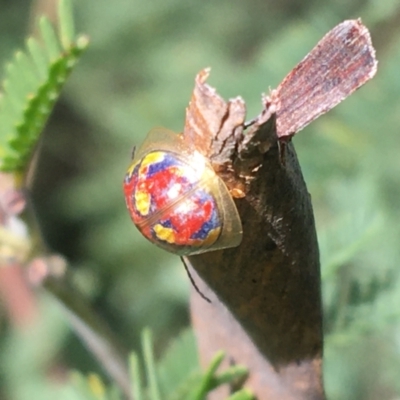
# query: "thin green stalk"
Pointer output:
{"type": "Point", "coordinates": [147, 344]}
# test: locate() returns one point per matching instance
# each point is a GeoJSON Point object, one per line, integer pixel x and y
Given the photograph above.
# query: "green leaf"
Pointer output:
{"type": "Point", "coordinates": [38, 57]}
{"type": "Point", "coordinates": [50, 39]}
{"type": "Point", "coordinates": [27, 71]}
{"type": "Point", "coordinates": [243, 394]}
{"type": "Point", "coordinates": [137, 389]}
{"type": "Point", "coordinates": [183, 380]}
{"type": "Point", "coordinates": [178, 374]}
{"type": "Point", "coordinates": [32, 84]}
{"type": "Point", "coordinates": [178, 369]}
{"type": "Point", "coordinates": [66, 26]}
{"type": "Point", "coordinates": [205, 385]}
{"type": "Point", "coordinates": [232, 374]}
{"type": "Point", "coordinates": [150, 364]}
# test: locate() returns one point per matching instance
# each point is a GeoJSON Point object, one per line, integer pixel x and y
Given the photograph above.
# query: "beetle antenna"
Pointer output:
{"type": "Point", "coordinates": [194, 283]}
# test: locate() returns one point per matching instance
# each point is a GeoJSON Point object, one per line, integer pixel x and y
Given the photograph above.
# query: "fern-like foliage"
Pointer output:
{"type": "Point", "coordinates": [33, 82]}
{"type": "Point", "coordinates": [176, 376]}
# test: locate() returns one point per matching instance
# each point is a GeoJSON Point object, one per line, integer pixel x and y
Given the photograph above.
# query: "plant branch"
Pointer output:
{"type": "Point", "coordinates": [266, 297]}
{"type": "Point", "coordinates": [51, 272]}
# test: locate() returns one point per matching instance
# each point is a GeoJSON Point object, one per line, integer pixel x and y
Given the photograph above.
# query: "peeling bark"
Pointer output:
{"type": "Point", "coordinates": [266, 297]}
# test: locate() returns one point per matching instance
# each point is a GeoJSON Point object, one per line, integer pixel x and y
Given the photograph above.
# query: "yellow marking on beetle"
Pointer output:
{"type": "Point", "coordinates": [147, 160]}
{"type": "Point", "coordinates": [142, 202]}
{"type": "Point", "coordinates": [166, 234]}
{"type": "Point", "coordinates": [132, 168]}
{"type": "Point", "coordinates": [152, 158]}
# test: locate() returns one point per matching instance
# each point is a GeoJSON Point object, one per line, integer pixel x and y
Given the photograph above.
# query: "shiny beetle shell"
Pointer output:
{"type": "Point", "coordinates": [176, 199]}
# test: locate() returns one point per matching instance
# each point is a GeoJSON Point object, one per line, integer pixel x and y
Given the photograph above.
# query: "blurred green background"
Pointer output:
{"type": "Point", "coordinates": [138, 73]}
